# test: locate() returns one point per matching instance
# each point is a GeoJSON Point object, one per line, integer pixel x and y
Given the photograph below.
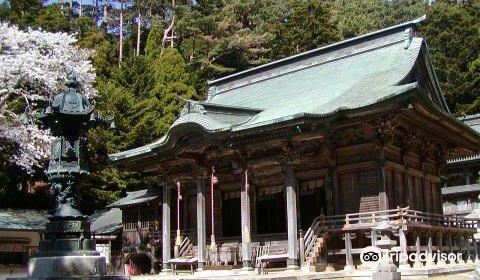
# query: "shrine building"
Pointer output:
{"type": "Point", "coordinates": [309, 159]}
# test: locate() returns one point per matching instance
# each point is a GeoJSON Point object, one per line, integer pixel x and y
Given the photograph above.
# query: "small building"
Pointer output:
{"type": "Point", "coordinates": [309, 159]}
{"type": "Point", "coordinates": [461, 188]}
{"type": "Point", "coordinates": [141, 234]}
{"type": "Point", "coordinates": [20, 234]}
{"type": "Point", "coordinates": [106, 225]}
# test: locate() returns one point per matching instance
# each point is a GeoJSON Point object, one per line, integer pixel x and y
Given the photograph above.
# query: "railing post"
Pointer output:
{"type": "Point", "coordinates": [417, 263]}
{"type": "Point", "coordinates": [469, 251]}
{"type": "Point", "coordinates": [373, 237]}
{"type": "Point", "coordinates": [348, 252]}
{"type": "Point", "coordinates": [403, 262]}
{"type": "Point", "coordinates": [322, 220]}
{"type": "Point", "coordinates": [475, 247]}
{"type": "Point", "coordinates": [301, 248]}
{"type": "Point", "coordinates": [429, 261]}
{"type": "Point", "coordinates": [450, 246]}
{"type": "Point", "coordinates": [440, 262]}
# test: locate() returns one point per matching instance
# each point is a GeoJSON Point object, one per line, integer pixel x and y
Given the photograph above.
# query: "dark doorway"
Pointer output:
{"type": "Point", "coordinates": [271, 210]}
{"type": "Point", "coordinates": [231, 214]}
{"type": "Point", "coordinates": [312, 201]}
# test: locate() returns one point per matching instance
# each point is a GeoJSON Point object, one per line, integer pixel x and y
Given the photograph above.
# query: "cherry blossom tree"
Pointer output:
{"type": "Point", "coordinates": [33, 65]}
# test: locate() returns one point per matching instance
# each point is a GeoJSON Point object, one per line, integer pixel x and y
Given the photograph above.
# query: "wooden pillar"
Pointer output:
{"type": "Point", "coordinates": [291, 216]}
{"type": "Point", "coordinates": [329, 193]}
{"type": "Point", "coordinates": [411, 193]}
{"type": "Point", "coordinates": [403, 262]}
{"type": "Point", "coordinates": [381, 176]}
{"type": "Point", "coordinates": [201, 225]}
{"type": "Point", "coordinates": [246, 225]}
{"type": "Point", "coordinates": [166, 253]}
{"type": "Point", "coordinates": [348, 252]}
{"type": "Point", "coordinates": [429, 197]}
{"type": "Point", "coordinates": [373, 237]}
{"type": "Point", "coordinates": [336, 191]}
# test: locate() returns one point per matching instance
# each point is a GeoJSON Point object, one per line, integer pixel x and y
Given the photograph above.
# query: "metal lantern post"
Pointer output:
{"type": "Point", "coordinates": [67, 249]}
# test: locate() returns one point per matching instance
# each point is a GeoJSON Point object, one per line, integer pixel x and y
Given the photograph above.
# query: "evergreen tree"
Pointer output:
{"type": "Point", "coordinates": [357, 17]}
{"type": "Point", "coordinates": [453, 37]}
{"type": "Point", "coordinates": [154, 40]}
{"type": "Point", "coordinates": [172, 84]}
{"type": "Point", "coordinates": [50, 18]}
{"type": "Point", "coordinates": [306, 25]}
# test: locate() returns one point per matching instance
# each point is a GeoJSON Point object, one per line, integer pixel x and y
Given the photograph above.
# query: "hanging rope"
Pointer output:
{"type": "Point", "coordinates": [246, 201]}
{"type": "Point", "coordinates": [179, 197]}
{"type": "Point", "coordinates": [213, 181]}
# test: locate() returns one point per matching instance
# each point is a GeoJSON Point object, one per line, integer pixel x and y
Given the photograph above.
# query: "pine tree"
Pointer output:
{"type": "Point", "coordinates": [153, 46]}
{"type": "Point", "coordinates": [453, 37]}
{"type": "Point", "coordinates": [172, 84]}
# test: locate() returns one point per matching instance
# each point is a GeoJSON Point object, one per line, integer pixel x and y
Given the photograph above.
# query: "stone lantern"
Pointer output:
{"type": "Point", "coordinates": [67, 250]}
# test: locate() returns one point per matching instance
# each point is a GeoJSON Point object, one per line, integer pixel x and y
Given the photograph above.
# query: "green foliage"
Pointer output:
{"type": "Point", "coordinates": [357, 17]}
{"type": "Point", "coordinates": [104, 58]}
{"type": "Point", "coordinates": [172, 83]}
{"type": "Point", "coordinates": [23, 12]}
{"type": "Point", "coordinates": [154, 40]}
{"type": "Point", "coordinates": [306, 25]}
{"type": "Point", "coordinates": [453, 36]}
{"type": "Point", "coordinates": [51, 19]}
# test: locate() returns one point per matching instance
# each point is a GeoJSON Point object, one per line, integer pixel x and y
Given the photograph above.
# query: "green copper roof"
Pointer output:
{"type": "Point", "coordinates": [347, 75]}
{"type": "Point", "coordinates": [351, 82]}
{"type": "Point", "coordinates": [137, 197]}
{"type": "Point", "coordinates": [107, 221]}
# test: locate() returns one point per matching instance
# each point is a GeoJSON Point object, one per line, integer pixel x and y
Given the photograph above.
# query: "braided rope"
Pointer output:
{"type": "Point", "coordinates": [211, 201]}
{"type": "Point", "coordinates": [179, 197]}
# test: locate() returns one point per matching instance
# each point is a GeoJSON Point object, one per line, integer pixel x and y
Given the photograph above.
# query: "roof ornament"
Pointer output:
{"type": "Point", "coordinates": [191, 107]}
{"type": "Point", "coordinates": [408, 37]}
{"type": "Point", "coordinates": [212, 91]}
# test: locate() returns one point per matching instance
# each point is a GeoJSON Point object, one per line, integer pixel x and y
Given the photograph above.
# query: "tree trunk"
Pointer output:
{"type": "Point", "coordinates": [120, 55]}
{"type": "Point", "coordinates": [71, 4]}
{"type": "Point", "coordinates": [81, 11]}
{"type": "Point", "coordinates": [139, 27]}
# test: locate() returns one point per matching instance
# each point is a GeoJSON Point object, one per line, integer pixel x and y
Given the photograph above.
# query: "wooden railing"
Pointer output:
{"type": "Point", "coordinates": [308, 241]}
{"type": "Point", "coordinates": [396, 216]}
{"type": "Point", "coordinates": [454, 221]}
{"type": "Point", "coordinates": [363, 219]}
{"type": "Point", "coordinates": [367, 220]}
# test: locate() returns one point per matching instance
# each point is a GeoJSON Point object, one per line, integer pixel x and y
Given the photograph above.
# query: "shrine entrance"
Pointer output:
{"type": "Point", "coordinates": [271, 208]}
{"type": "Point", "coordinates": [231, 217]}
{"type": "Point", "coordinates": [312, 201]}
